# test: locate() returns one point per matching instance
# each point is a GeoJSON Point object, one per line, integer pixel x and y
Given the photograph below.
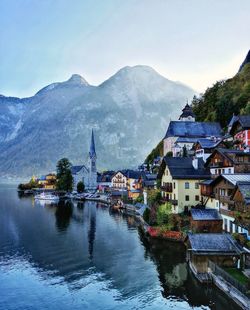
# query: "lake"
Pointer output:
{"type": "Point", "coordinates": [82, 256]}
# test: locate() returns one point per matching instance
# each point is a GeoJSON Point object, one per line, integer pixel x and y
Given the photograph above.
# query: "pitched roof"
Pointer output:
{"type": "Point", "coordinates": [182, 168]}
{"type": "Point", "coordinates": [193, 129]}
{"type": "Point", "coordinates": [212, 243]}
{"type": "Point", "coordinates": [76, 169]}
{"type": "Point", "coordinates": [244, 188]}
{"type": "Point", "coordinates": [234, 178]}
{"type": "Point", "coordinates": [132, 174]}
{"type": "Point", "coordinates": [242, 120]}
{"type": "Point", "coordinates": [228, 154]}
{"type": "Point", "coordinates": [205, 214]}
{"type": "Point", "coordinates": [207, 143]}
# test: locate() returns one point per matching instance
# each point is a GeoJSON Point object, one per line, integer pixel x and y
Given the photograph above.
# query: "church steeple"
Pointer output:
{"type": "Point", "coordinates": [92, 152]}
{"type": "Point", "coordinates": [187, 114]}
{"type": "Point", "coordinates": [92, 164]}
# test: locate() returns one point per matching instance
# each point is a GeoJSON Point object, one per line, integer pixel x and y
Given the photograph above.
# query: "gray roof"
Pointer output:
{"type": "Point", "coordinates": [193, 129]}
{"type": "Point", "coordinates": [207, 143]}
{"type": "Point", "coordinates": [76, 169]}
{"type": "Point", "coordinates": [244, 188]}
{"type": "Point", "coordinates": [206, 182]}
{"type": "Point", "coordinates": [214, 244]}
{"type": "Point", "coordinates": [234, 178]}
{"type": "Point", "coordinates": [243, 120]}
{"type": "Point", "coordinates": [182, 168]}
{"type": "Point", "coordinates": [228, 154]}
{"type": "Point", "coordinates": [205, 214]}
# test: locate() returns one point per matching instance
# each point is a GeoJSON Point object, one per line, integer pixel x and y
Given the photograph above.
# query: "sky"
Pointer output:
{"type": "Point", "coordinates": [196, 42]}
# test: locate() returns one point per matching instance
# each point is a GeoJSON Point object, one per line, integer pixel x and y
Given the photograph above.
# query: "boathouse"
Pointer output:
{"type": "Point", "coordinates": [221, 249]}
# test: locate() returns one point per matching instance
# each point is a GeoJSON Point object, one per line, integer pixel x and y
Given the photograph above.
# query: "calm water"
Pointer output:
{"type": "Point", "coordinates": [81, 256]}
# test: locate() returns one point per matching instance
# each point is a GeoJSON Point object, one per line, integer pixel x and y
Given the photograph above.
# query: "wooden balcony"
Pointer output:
{"type": "Point", "coordinates": [174, 202]}
{"type": "Point", "coordinates": [167, 188]}
{"type": "Point", "coordinates": [227, 212]}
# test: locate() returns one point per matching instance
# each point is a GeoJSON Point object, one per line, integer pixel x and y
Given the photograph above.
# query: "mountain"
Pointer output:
{"type": "Point", "coordinates": [225, 98]}
{"type": "Point", "coordinates": [246, 61]}
{"type": "Point", "coordinates": [129, 113]}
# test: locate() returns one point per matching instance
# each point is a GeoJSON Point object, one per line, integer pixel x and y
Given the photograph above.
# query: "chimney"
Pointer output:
{"type": "Point", "coordinates": [195, 163]}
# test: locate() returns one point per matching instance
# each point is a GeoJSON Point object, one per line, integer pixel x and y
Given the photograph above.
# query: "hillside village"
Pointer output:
{"type": "Point", "coordinates": [196, 190]}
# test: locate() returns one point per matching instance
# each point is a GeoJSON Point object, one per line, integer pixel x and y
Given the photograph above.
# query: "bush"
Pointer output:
{"type": "Point", "coordinates": [80, 187]}
{"type": "Point", "coordinates": [162, 214]}
{"type": "Point", "coordinates": [146, 215]}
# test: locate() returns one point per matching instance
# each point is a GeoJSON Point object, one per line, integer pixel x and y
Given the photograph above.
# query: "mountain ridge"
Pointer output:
{"type": "Point", "coordinates": [128, 115]}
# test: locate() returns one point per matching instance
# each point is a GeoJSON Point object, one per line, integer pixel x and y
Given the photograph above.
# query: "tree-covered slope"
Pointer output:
{"type": "Point", "coordinates": [224, 99]}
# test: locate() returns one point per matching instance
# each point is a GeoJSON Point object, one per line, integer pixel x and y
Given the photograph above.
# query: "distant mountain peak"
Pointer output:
{"type": "Point", "coordinates": [246, 61]}
{"type": "Point", "coordinates": [77, 79]}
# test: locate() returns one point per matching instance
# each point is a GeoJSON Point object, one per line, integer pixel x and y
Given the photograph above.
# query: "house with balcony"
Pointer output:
{"type": "Point", "coordinates": [204, 147]}
{"type": "Point", "coordinates": [217, 193]}
{"type": "Point", "coordinates": [228, 161]}
{"type": "Point", "coordinates": [180, 178]}
{"type": "Point", "coordinates": [241, 198]}
{"type": "Point", "coordinates": [239, 129]}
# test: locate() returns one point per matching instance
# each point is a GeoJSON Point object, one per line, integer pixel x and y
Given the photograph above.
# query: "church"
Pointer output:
{"type": "Point", "coordinates": [87, 174]}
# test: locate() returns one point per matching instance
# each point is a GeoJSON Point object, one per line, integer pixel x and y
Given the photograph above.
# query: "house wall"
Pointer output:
{"type": "Point", "coordinates": [200, 262]}
{"type": "Point", "coordinates": [177, 191]}
{"type": "Point", "coordinates": [168, 144]}
{"type": "Point", "coordinates": [211, 226]}
{"type": "Point", "coordinates": [119, 181]}
{"type": "Point", "coordinates": [244, 137]}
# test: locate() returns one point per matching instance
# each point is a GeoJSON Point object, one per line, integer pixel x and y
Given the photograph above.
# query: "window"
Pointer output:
{"type": "Point", "coordinates": [197, 197]}
{"type": "Point", "coordinates": [216, 171]}
{"type": "Point", "coordinates": [187, 197]}
{"type": "Point", "coordinates": [174, 184]}
{"type": "Point", "coordinates": [229, 170]}
{"type": "Point", "coordinates": [196, 185]}
{"type": "Point", "coordinates": [223, 170]}
{"type": "Point", "coordinates": [186, 185]}
{"type": "Point", "coordinates": [174, 197]}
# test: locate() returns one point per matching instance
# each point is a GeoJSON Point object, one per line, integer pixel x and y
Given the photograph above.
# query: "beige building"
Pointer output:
{"type": "Point", "coordinates": [180, 182]}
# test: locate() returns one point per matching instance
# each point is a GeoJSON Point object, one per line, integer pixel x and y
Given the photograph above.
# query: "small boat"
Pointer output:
{"type": "Point", "coordinates": [49, 197]}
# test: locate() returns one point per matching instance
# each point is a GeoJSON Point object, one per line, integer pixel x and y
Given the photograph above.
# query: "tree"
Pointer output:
{"type": "Point", "coordinates": [64, 176]}
{"type": "Point", "coordinates": [162, 214]}
{"type": "Point", "coordinates": [80, 187]}
{"type": "Point", "coordinates": [184, 151]}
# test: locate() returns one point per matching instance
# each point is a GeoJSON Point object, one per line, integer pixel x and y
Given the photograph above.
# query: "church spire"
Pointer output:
{"type": "Point", "coordinates": [92, 152]}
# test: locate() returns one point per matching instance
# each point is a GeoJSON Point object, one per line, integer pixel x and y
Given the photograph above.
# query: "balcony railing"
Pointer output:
{"type": "Point", "coordinates": [167, 188]}
{"type": "Point", "coordinates": [174, 202]}
{"type": "Point", "coordinates": [227, 212]}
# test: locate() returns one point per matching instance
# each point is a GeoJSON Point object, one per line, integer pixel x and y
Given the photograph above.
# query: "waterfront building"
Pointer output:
{"type": "Point", "coordinates": [221, 249]}
{"type": "Point", "coordinates": [206, 221]}
{"type": "Point", "coordinates": [239, 129]}
{"type": "Point", "coordinates": [87, 174]}
{"type": "Point", "coordinates": [104, 180]}
{"type": "Point", "coordinates": [47, 181]}
{"type": "Point", "coordinates": [180, 181]}
{"type": "Point", "coordinates": [129, 180]}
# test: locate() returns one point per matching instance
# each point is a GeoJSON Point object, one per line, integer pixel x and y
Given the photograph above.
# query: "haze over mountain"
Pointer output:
{"type": "Point", "coordinates": [129, 113]}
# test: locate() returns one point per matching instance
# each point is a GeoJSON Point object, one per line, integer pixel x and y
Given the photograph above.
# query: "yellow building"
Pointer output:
{"type": "Point", "coordinates": [180, 182]}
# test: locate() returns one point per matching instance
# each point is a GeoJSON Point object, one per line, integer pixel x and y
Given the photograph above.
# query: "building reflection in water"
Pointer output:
{"type": "Point", "coordinates": [92, 228]}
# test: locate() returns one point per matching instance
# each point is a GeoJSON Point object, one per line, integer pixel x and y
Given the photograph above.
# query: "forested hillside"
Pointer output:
{"type": "Point", "coordinates": [224, 99]}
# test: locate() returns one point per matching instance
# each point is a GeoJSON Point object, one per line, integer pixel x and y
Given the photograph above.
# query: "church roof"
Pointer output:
{"type": "Point", "coordinates": [92, 152]}
{"type": "Point", "coordinates": [76, 169]}
{"type": "Point", "coordinates": [187, 111]}
{"type": "Point", "coordinates": [193, 129]}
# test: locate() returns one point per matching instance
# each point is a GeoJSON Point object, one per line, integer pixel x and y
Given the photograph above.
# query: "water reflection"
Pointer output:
{"type": "Point", "coordinates": [95, 257]}
{"type": "Point", "coordinates": [63, 215]}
